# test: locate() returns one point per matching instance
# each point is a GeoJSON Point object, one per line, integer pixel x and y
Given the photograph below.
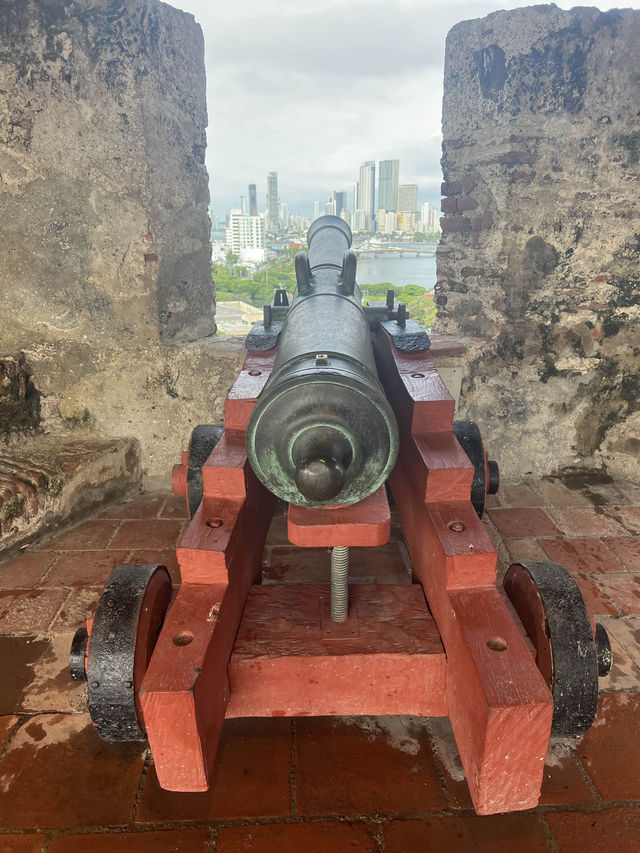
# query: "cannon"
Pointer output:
{"type": "Point", "coordinates": [322, 431]}
{"type": "Point", "coordinates": [337, 409]}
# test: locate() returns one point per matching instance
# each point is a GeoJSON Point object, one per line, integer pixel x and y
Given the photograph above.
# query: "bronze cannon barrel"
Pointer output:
{"type": "Point", "coordinates": [322, 431]}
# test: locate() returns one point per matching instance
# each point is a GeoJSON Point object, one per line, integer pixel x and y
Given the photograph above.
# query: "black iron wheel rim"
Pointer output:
{"type": "Point", "coordinates": [111, 664]}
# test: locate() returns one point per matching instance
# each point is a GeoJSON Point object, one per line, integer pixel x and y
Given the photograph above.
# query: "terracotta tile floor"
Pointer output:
{"type": "Point", "coordinates": [386, 785]}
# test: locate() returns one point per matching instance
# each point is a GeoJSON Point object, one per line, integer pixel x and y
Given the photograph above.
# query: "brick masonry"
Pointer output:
{"type": "Point", "coordinates": [538, 262]}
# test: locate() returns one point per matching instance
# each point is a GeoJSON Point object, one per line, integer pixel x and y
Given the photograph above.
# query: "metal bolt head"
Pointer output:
{"type": "Point", "coordinates": [456, 526]}
{"type": "Point", "coordinates": [322, 359]}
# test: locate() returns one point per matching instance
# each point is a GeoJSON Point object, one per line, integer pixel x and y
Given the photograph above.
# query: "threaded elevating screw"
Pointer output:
{"type": "Point", "coordinates": [339, 583]}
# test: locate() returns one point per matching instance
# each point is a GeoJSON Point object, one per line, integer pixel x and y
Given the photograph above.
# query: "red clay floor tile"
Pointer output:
{"type": "Point", "coordinates": [595, 600]}
{"type": "Point", "coordinates": [26, 570]}
{"type": "Point", "coordinates": [524, 550]}
{"type": "Point", "coordinates": [610, 750]}
{"type": "Point", "coordinates": [297, 837]}
{"type": "Point", "coordinates": [523, 523]}
{"type": "Point", "coordinates": [159, 534]}
{"type": "Point", "coordinates": [23, 652]}
{"type": "Point", "coordinates": [51, 688]}
{"type": "Point", "coordinates": [90, 536]}
{"type": "Point", "coordinates": [556, 493]}
{"type": "Point", "coordinates": [627, 550]}
{"type": "Point", "coordinates": [166, 841]}
{"type": "Point", "coordinates": [507, 833]}
{"type": "Point", "coordinates": [624, 674]}
{"type": "Point", "coordinates": [563, 782]}
{"type": "Point", "coordinates": [622, 589]}
{"type": "Point", "coordinates": [146, 506]}
{"type": "Point", "coordinates": [581, 555]}
{"type": "Point", "coordinates": [79, 607]}
{"type": "Point", "coordinates": [161, 558]}
{"type": "Point", "coordinates": [516, 495]}
{"type": "Point", "coordinates": [175, 506]}
{"type": "Point", "coordinates": [453, 776]}
{"type": "Point", "coordinates": [57, 773]}
{"type": "Point", "coordinates": [365, 765]}
{"type": "Point", "coordinates": [21, 843]}
{"type": "Point", "coordinates": [629, 516]}
{"type": "Point", "coordinates": [7, 727]}
{"type": "Point", "coordinates": [251, 778]}
{"type": "Point", "coordinates": [613, 829]}
{"type": "Point", "coordinates": [593, 522]}
{"type": "Point", "coordinates": [28, 611]}
{"type": "Point", "coordinates": [627, 631]}
{"type": "Point", "coordinates": [82, 568]}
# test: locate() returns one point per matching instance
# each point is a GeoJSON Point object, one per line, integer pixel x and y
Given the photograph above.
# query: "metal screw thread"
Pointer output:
{"type": "Point", "coordinates": [339, 583]}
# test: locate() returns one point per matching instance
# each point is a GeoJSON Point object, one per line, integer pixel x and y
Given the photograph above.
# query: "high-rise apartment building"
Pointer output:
{"type": "Point", "coordinates": [253, 200]}
{"type": "Point", "coordinates": [408, 198]}
{"type": "Point", "coordinates": [273, 205]}
{"type": "Point", "coordinates": [429, 219]}
{"type": "Point", "coordinates": [388, 179]}
{"type": "Point", "coordinates": [245, 236]}
{"type": "Point", "coordinates": [386, 221]}
{"type": "Point", "coordinates": [362, 221]}
{"type": "Point", "coordinates": [284, 215]}
{"type": "Point", "coordinates": [367, 188]}
{"type": "Point", "coordinates": [316, 209]}
{"type": "Point", "coordinates": [347, 216]}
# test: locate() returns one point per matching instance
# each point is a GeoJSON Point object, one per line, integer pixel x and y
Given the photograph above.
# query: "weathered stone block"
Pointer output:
{"type": "Point", "coordinates": [454, 224]}
{"type": "Point", "coordinates": [556, 92]}
{"type": "Point", "coordinates": [19, 400]}
{"type": "Point", "coordinates": [104, 232]}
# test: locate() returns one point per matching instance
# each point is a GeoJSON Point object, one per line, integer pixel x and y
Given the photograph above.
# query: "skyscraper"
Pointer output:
{"type": "Point", "coordinates": [366, 188]}
{"type": "Point", "coordinates": [408, 198]}
{"type": "Point", "coordinates": [388, 177]}
{"type": "Point", "coordinates": [273, 205]}
{"type": "Point", "coordinates": [340, 200]}
{"type": "Point", "coordinates": [253, 200]}
{"type": "Point", "coordinates": [330, 206]}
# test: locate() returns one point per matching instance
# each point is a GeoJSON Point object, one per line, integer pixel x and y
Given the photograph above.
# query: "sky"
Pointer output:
{"type": "Point", "coordinates": [312, 88]}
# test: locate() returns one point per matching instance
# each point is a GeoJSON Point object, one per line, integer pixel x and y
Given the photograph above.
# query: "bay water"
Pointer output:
{"type": "Point", "coordinates": [399, 270]}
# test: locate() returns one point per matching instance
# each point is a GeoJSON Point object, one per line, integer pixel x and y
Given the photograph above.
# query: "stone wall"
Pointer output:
{"type": "Point", "coordinates": [104, 232]}
{"type": "Point", "coordinates": [539, 259]}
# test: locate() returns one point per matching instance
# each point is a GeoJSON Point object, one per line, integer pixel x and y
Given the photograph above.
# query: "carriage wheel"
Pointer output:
{"type": "Point", "coordinates": [125, 629]}
{"type": "Point", "coordinates": [203, 439]}
{"type": "Point", "coordinates": [486, 476]}
{"type": "Point", "coordinates": [552, 610]}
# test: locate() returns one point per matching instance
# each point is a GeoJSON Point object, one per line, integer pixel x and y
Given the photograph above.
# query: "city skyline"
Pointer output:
{"type": "Point", "coordinates": [307, 88]}
{"type": "Point", "coordinates": [382, 192]}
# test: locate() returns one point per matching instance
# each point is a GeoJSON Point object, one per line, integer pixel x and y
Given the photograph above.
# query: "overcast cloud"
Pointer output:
{"type": "Point", "coordinates": [312, 88]}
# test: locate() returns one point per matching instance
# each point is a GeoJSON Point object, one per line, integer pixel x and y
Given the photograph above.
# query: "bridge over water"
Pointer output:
{"type": "Point", "coordinates": [372, 252]}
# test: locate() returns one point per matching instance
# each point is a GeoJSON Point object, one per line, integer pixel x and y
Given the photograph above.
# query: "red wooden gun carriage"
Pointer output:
{"type": "Point", "coordinates": [336, 403]}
